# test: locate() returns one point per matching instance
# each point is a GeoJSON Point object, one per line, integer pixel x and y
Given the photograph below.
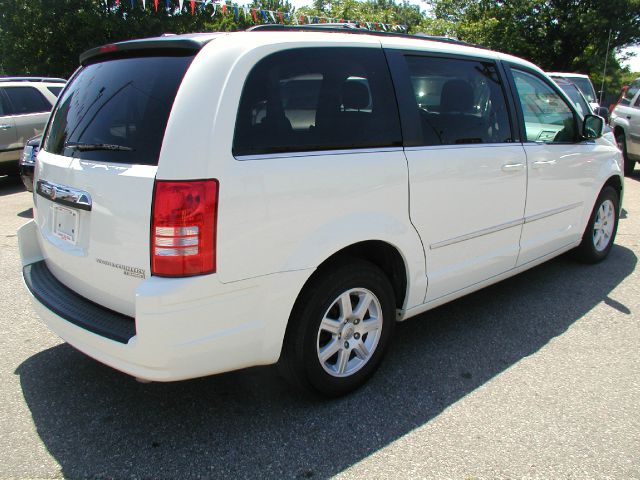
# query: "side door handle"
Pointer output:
{"type": "Point", "coordinates": [512, 167]}
{"type": "Point", "coordinates": [542, 163]}
{"type": "Point", "coordinates": [5, 126]}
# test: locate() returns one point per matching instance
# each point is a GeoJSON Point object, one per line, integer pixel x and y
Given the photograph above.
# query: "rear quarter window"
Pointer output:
{"type": "Point", "coordinates": [25, 100]}
{"type": "Point", "coordinates": [122, 105]}
{"type": "Point", "coordinates": [317, 99]}
{"type": "Point", "coordinates": [55, 90]}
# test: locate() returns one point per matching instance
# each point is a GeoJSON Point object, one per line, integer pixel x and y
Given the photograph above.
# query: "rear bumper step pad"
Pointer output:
{"type": "Point", "coordinates": [74, 308]}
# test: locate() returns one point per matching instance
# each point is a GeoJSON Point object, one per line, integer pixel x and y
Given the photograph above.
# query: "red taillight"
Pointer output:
{"type": "Point", "coordinates": [108, 48]}
{"type": "Point", "coordinates": [183, 228]}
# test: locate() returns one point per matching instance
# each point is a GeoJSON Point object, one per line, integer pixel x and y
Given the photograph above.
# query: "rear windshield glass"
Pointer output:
{"type": "Point", "coordinates": [117, 110]}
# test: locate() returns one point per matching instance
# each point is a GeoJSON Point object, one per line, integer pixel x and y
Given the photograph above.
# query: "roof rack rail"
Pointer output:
{"type": "Point", "coordinates": [355, 28]}
{"type": "Point", "coordinates": [33, 79]}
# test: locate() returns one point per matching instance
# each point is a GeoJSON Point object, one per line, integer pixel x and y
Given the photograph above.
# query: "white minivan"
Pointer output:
{"type": "Point", "coordinates": [209, 202]}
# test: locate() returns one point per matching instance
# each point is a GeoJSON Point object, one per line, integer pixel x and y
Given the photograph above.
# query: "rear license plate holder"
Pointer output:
{"type": "Point", "coordinates": [65, 224]}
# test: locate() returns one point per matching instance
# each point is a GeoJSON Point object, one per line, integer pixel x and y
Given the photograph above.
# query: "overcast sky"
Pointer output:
{"type": "Point", "coordinates": [634, 63]}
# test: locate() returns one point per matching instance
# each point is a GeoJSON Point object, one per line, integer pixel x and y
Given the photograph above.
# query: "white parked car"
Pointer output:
{"type": "Point", "coordinates": [583, 82]}
{"type": "Point", "coordinates": [211, 202]}
{"type": "Point", "coordinates": [625, 121]}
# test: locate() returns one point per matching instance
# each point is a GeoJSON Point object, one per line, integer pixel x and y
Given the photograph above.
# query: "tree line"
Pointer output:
{"type": "Point", "coordinates": [45, 37]}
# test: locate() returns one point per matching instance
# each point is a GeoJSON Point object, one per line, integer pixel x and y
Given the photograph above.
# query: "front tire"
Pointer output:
{"type": "Point", "coordinates": [339, 329]}
{"type": "Point", "coordinates": [600, 233]}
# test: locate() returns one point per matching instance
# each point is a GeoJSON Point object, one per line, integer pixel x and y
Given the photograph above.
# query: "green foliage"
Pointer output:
{"type": "Point", "coordinates": [45, 37]}
{"type": "Point", "coordinates": [378, 11]}
{"type": "Point", "coordinates": [557, 35]}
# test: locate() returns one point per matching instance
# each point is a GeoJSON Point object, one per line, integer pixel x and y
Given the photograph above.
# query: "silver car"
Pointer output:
{"type": "Point", "coordinates": [625, 121]}
{"type": "Point", "coordinates": [25, 104]}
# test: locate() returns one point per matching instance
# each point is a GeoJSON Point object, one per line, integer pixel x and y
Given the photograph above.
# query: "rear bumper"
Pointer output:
{"type": "Point", "coordinates": [180, 329]}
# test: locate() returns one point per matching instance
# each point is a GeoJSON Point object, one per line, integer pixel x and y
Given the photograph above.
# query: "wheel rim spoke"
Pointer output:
{"type": "Point", "coordinates": [345, 306]}
{"type": "Point", "coordinates": [343, 360]}
{"type": "Point", "coordinates": [363, 306]}
{"type": "Point", "coordinates": [369, 325]}
{"type": "Point", "coordinates": [331, 326]}
{"type": "Point", "coordinates": [361, 351]}
{"type": "Point", "coordinates": [329, 350]}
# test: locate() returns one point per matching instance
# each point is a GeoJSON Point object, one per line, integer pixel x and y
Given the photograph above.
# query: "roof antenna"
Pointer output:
{"type": "Point", "coordinates": [604, 72]}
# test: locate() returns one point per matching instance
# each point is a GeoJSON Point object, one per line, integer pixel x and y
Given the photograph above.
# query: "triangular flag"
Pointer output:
{"type": "Point", "coordinates": [235, 13]}
{"type": "Point", "coordinates": [117, 3]}
{"type": "Point", "coordinates": [181, 3]}
{"type": "Point", "coordinates": [281, 15]}
{"type": "Point", "coordinates": [224, 9]}
{"type": "Point", "coordinates": [253, 14]}
{"type": "Point", "coordinates": [144, 4]}
{"type": "Point", "coordinates": [155, 4]}
{"type": "Point", "coordinates": [273, 18]}
{"type": "Point", "coordinates": [193, 7]}
{"type": "Point", "coordinates": [215, 9]}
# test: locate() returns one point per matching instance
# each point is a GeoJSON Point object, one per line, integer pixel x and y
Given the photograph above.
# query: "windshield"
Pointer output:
{"type": "Point", "coordinates": [117, 110]}
{"type": "Point", "coordinates": [584, 84]}
{"type": "Point", "coordinates": [577, 98]}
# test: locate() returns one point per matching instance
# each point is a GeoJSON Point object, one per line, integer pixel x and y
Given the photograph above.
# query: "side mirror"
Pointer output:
{"type": "Point", "coordinates": [603, 112]}
{"type": "Point", "coordinates": [592, 126]}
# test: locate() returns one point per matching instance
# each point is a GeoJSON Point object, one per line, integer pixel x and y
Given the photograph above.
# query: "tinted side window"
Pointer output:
{"type": "Point", "coordinates": [459, 101]}
{"type": "Point", "coordinates": [4, 108]}
{"type": "Point", "coordinates": [317, 99]}
{"type": "Point", "coordinates": [547, 117]}
{"type": "Point", "coordinates": [630, 93]}
{"type": "Point", "coordinates": [27, 100]}
{"type": "Point", "coordinates": [55, 90]}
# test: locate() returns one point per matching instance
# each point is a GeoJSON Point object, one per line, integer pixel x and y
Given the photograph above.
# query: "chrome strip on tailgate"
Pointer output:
{"type": "Point", "coordinates": [64, 195]}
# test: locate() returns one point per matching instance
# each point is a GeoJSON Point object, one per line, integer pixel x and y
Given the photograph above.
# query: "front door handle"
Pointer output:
{"type": "Point", "coordinates": [512, 167]}
{"type": "Point", "coordinates": [542, 163]}
{"type": "Point", "coordinates": [5, 126]}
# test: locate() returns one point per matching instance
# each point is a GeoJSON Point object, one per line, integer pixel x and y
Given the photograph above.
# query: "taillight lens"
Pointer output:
{"type": "Point", "coordinates": [183, 229]}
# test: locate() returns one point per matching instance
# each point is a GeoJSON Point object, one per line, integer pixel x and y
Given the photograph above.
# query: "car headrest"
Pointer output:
{"type": "Point", "coordinates": [456, 96]}
{"type": "Point", "coordinates": [355, 95]}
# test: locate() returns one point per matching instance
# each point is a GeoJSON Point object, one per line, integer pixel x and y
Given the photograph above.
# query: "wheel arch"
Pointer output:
{"type": "Point", "coordinates": [380, 253]}
{"type": "Point", "coordinates": [615, 182]}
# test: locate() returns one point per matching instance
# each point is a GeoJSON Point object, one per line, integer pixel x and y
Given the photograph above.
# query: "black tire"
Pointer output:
{"type": "Point", "coordinates": [300, 362]}
{"type": "Point", "coordinates": [588, 252]}
{"type": "Point", "coordinates": [629, 164]}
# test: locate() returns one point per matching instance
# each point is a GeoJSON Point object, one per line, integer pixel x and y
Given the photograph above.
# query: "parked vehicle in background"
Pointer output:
{"type": "Point", "coordinates": [25, 104]}
{"type": "Point", "coordinates": [583, 82]}
{"type": "Point", "coordinates": [582, 106]}
{"type": "Point", "coordinates": [625, 121]}
{"type": "Point", "coordinates": [210, 202]}
{"type": "Point", "coordinates": [28, 161]}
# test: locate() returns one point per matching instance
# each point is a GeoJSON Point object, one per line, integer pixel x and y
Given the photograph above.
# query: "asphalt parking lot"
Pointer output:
{"type": "Point", "coordinates": [536, 377]}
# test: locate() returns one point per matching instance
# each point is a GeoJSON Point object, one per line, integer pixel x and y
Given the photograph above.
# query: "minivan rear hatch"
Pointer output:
{"type": "Point", "coordinates": [95, 173]}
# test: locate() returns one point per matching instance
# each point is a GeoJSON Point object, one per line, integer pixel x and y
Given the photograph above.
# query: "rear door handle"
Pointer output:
{"type": "Point", "coordinates": [5, 126]}
{"type": "Point", "coordinates": [628, 117]}
{"type": "Point", "coordinates": [542, 163]}
{"type": "Point", "coordinates": [512, 167]}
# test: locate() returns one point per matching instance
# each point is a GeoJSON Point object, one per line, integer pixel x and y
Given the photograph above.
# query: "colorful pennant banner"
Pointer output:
{"type": "Point", "coordinates": [261, 16]}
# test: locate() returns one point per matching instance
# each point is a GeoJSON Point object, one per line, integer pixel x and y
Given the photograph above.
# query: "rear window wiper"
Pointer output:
{"type": "Point", "coordinates": [86, 147]}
